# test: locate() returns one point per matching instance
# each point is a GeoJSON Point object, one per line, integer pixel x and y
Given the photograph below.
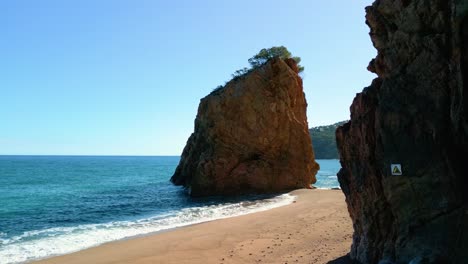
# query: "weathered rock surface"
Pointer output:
{"type": "Point", "coordinates": [251, 136]}
{"type": "Point", "coordinates": [414, 114]}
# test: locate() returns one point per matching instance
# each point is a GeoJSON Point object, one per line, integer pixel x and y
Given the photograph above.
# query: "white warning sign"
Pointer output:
{"type": "Point", "coordinates": [396, 169]}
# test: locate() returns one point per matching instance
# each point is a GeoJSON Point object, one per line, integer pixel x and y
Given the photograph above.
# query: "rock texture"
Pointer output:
{"type": "Point", "coordinates": [251, 136]}
{"type": "Point", "coordinates": [414, 114]}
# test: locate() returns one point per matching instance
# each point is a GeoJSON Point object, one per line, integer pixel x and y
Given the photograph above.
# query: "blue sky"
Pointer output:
{"type": "Point", "coordinates": [114, 77]}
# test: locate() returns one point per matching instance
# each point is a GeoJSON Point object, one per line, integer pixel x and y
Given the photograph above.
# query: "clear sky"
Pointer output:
{"type": "Point", "coordinates": [88, 77]}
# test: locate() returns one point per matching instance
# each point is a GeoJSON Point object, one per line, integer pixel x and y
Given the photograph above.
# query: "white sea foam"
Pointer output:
{"type": "Point", "coordinates": [333, 188]}
{"type": "Point", "coordinates": [39, 244]}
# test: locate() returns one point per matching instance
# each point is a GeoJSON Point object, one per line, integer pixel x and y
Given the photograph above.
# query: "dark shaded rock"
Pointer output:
{"type": "Point", "coordinates": [250, 136]}
{"type": "Point", "coordinates": [342, 260]}
{"type": "Point", "coordinates": [414, 114]}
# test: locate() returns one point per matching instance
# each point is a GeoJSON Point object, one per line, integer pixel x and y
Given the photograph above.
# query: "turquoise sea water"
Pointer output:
{"type": "Point", "coordinates": [52, 205]}
{"type": "Point", "coordinates": [326, 176]}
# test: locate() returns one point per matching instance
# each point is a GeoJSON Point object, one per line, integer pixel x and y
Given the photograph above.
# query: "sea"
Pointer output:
{"type": "Point", "coordinates": [54, 205]}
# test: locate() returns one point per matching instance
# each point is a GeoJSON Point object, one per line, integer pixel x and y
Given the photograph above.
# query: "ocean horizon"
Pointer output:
{"type": "Point", "coordinates": [58, 204]}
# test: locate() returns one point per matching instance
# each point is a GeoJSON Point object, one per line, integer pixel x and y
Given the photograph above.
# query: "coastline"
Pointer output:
{"type": "Point", "coordinates": [316, 228]}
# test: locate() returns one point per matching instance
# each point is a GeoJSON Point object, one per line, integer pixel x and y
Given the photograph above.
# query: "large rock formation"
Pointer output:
{"type": "Point", "coordinates": [414, 114]}
{"type": "Point", "coordinates": [251, 136]}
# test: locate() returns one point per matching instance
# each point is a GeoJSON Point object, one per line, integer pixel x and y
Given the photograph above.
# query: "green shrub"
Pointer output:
{"type": "Point", "coordinates": [259, 59]}
{"type": "Point", "coordinates": [265, 55]}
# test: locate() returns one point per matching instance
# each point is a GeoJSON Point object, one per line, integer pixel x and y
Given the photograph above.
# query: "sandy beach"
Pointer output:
{"type": "Point", "coordinates": [314, 229]}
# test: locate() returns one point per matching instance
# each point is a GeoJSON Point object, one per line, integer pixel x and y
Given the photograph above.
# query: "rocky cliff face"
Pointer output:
{"type": "Point", "coordinates": [250, 136]}
{"type": "Point", "coordinates": [414, 114]}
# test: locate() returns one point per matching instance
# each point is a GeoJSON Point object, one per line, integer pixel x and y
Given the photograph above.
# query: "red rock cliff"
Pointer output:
{"type": "Point", "coordinates": [251, 136]}
{"type": "Point", "coordinates": [414, 114]}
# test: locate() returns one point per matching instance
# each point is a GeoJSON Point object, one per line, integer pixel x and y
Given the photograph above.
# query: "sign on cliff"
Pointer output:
{"type": "Point", "coordinates": [396, 169]}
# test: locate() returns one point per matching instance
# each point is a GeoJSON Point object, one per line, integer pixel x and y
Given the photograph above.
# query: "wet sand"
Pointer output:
{"type": "Point", "coordinates": [314, 229]}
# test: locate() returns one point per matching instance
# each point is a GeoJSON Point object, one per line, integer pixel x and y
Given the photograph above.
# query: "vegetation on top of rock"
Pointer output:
{"type": "Point", "coordinates": [259, 59]}
{"type": "Point", "coordinates": [324, 141]}
{"type": "Point", "coordinates": [265, 55]}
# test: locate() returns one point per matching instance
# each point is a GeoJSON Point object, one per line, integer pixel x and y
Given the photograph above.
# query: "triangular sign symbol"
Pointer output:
{"type": "Point", "coordinates": [396, 170]}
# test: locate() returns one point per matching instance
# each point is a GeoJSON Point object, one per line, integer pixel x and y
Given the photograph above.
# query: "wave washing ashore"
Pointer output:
{"type": "Point", "coordinates": [54, 205]}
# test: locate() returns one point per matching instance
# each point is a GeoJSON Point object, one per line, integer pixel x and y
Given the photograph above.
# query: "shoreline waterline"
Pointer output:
{"type": "Point", "coordinates": [61, 241]}
{"type": "Point", "coordinates": [54, 205]}
{"type": "Point", "coordinates": [316, 228]}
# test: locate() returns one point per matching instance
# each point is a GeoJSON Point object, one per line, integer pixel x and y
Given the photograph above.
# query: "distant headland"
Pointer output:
{"type": "Point", "coordinates": [324, 141]}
